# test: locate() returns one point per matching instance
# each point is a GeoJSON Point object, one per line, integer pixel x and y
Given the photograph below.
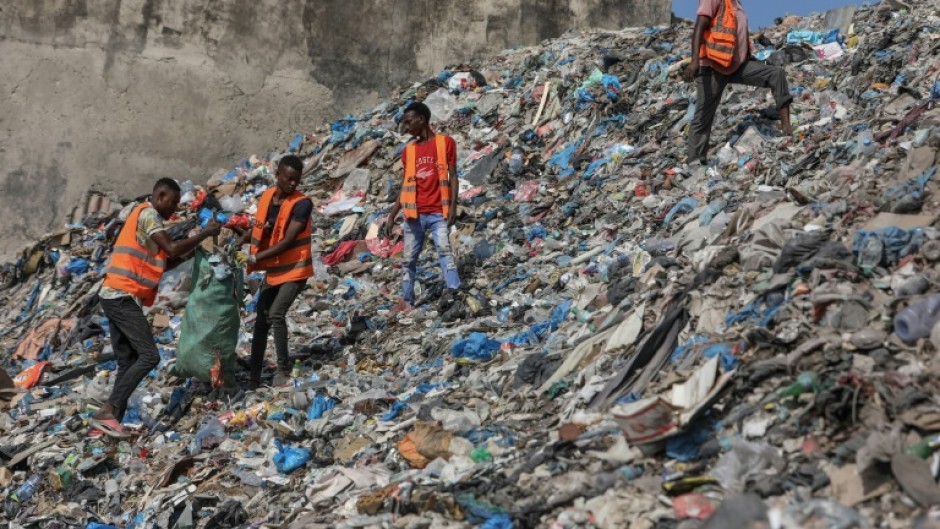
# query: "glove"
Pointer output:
{"type": "Point", "coordinates": [244, 258]}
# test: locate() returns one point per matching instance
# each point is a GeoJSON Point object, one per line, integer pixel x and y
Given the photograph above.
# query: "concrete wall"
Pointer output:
{"type": "Point", "coordinates": [109, 95]}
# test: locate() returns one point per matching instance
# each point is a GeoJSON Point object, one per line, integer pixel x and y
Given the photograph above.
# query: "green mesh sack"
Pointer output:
{"type": "Point", "coordinates": [209, 331]}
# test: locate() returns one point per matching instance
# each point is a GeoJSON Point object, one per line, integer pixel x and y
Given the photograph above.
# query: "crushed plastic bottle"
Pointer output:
{"type": "Point", "coordinates": [27, 489]}
{"type": "Point", "coordinates": [918, 320]}
{"type": "Point", "coordinates": [871, 255]}
{"type": "Point", "coordinates": [515, 161]}
{"type": "Point", "coordinates": [211, 430]}
{"type": "Point", "coordinates": [805, 383]}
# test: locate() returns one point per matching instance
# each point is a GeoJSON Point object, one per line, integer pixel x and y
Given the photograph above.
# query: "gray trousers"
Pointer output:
{"type": "Point", "coordinates": [134, 349]}
{"type": "Point", "coordinates": [710, 85]}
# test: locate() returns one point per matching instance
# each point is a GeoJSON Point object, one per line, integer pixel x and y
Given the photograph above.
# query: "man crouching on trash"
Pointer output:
{"type": "Point", "coordinates": [428, 198]}
{"type": "Point", "coordinates": [281, 247]}
{"type": "Point", "coordinates": [142, 253]}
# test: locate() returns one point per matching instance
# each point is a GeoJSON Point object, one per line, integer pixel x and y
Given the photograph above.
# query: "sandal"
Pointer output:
{"type": "Point", "coordinates": [110, 427]}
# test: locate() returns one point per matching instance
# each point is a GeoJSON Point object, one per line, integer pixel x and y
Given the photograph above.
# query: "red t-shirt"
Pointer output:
{"type": "Point", "coordinates": [427, 176]}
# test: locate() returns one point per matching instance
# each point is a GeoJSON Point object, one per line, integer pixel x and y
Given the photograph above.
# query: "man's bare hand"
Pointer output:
{"type": "Point", "coordinates": [691, 71]}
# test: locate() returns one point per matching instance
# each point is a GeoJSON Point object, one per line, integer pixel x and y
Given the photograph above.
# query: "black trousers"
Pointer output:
{"type": "Point", "coordinates": [134, 349]}
{"type": "Point", "coordinates": [273, 302]}
{"type": "Point", "coordinates": [710, 85]}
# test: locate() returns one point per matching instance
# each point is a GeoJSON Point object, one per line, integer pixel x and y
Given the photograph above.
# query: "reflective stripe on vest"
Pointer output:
{"type": "Point", "coordinates": [132, 268]}
{"type": "Point", "coordinates": [720, 38]}
{"type": "Point", "coordinates": [409, 189]}
{"type": "Point", "coordinates": [295, 263]}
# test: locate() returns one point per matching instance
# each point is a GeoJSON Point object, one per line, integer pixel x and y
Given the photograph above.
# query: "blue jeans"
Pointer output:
{"type": "Point", "coordinates": [415, 231]}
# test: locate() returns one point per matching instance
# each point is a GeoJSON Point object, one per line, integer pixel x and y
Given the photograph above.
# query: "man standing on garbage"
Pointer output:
{"type": "Point", "coordinates": [281, 247]}
{"type": "Point", "coordinates": [721, 55]}
{"type": "Point", "coordinates": [428, 198]}
{"type": "Point", "coordinates": [142, 253]}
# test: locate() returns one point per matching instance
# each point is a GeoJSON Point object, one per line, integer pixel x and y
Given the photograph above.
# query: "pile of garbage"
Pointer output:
{"type": "Point", "coordinates": [639, 343]}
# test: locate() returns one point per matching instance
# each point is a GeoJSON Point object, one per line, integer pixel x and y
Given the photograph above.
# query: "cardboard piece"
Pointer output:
{"type": "Point", "coordinates": [656, 418]}
{"type": "Point", "coordinates": [905, 222]}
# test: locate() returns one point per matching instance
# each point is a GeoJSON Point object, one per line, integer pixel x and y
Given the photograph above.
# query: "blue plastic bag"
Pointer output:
{"type": "Point", "coordinates": [96, 525]}
{"type": "Point", "coordinates": [296, 143]}
{"type": "Point", "coordinates": [478, 347]}
{"type": "Point", "coordinates": [726, 352]}
{"type": "Point", "coordinates": [320, 405]}
{"type": "Point", "coordinates": [289, 459]}
{"type": "Point", "coordinates": [686, 205]}
{"type": "Point", "coordinates": [394, 411]}
{"type": "Point", "coordinates": [205, 215]}
{"type": "Point", "coordinates": [499, 521]}
{"type": "Point", "coordinates": [77, 266]}
{"type": "Point", "coordinates": [612, 87]}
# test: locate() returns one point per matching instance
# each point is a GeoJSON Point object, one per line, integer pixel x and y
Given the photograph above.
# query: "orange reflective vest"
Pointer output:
{"type": "Point", "coordinates": [409, 190]}
{"type": "Point", "coordinates": [296, 262]}
{"type": "Point", "coordinates": [719, 39]}
{"type": "Point", "coordinates": [132, 268]}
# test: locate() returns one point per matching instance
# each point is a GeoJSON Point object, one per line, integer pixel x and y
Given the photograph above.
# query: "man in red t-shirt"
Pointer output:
{"type": "Point", "coordinates": [428, 197]}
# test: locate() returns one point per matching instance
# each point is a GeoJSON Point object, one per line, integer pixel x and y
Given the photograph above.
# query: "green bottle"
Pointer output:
{"type": "Point", "coordinates": [807, 382]}
{"type": "Point", "coordinates": [297, 371]}
{"type": "Point", "coordinates": [925, 448]}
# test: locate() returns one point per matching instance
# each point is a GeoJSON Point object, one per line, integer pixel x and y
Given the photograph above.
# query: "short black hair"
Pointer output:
{"type": "Point", "coordinates": [166, 183]}
{"type": "Point", "coordinates": [292, 161]}
{"type": "Point", "coordinates": [420, 109]}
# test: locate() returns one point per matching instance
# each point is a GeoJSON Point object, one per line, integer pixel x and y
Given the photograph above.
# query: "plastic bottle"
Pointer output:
{"type": "Point", "coordinates": [631, 472]}
{"type": "Point", "coordinates": [917, 320]}
{"type": "Point", "coordinates": [481, 455]}
{"type": "Point", "coordinates": [925, 448]}
{"type": "Point", "coordinates": [864, 143]}
{"type": "Point", "coordinates": [27, 489]}
{"type": "Point", "coordinates": [212, 429]}
{"type": "Point", "coordinates": [871, 254]}
{"type": "Point", "coordinates": [582, 315]}
{"type": "Point", "coordinates": [515, 161]}
{"type": "Point", "coordinates": [297, 371]}
{"type": "Point", "coordinates": [805, 383]}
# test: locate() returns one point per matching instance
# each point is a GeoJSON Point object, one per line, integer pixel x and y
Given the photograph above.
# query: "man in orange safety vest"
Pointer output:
{"type": "Point", "coordinates": [721, 55]}
{"type": "Point", "coordinates": [142, 253]}
{"type": "Point", "coordinates": [281, 247]}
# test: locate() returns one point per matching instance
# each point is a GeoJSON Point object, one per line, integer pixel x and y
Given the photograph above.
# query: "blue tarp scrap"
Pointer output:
{"type": "Point", "coordinates": [485, 433]}
{"type": "Point", "coordinates": [799, 36]}
{"type": "Point", "coordinates": [560, 162]}
{"type": "Point", "coordinates": [342, 128]}
{"type": "Point", "coordinates": [595, 165]}
{"type": "Point", "coordinates": [296, 143]}
{"type": "Point", "coordinates": [414, 370]}
{"type": "Point", "coordinates": [393, 412]}
{"type": "Point", "coordinates": [539, 331]}
{"type": "Point", "coordinates": [752, 312]}
{"type": "Point", "coordinates": [915, 186]}
{"type": "Point", "coordinates": [480, 512]}
{"type": "Point", "coordinates": [612, 87]}
{"type": "Point", "coordinates": [728, 361]}
{"type": "Point", "coordinates": [683, 349]}
{"type": "Point", "coordinates": [898, 242]}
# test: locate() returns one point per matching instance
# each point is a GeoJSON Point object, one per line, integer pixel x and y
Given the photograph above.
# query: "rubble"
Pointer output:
{"type": "Point", "coordinates": [640, 343]}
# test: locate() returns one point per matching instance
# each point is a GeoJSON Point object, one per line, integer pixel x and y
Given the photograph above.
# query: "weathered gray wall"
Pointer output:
{"type": "Point", "coordinates": [112, 94]}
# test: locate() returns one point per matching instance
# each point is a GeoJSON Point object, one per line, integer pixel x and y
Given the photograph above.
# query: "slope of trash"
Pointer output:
{"type": "Point", "coordinates": [640, 343]}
